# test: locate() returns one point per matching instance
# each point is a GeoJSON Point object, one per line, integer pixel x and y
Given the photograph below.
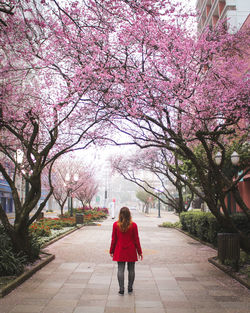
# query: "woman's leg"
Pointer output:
{"type": "Point", "coordinates": [131, 275]}
{"type": "Point", "coordinates": [120, 275]}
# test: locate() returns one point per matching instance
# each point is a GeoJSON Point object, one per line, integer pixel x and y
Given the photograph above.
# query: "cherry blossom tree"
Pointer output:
{"type": "Point", "coordinates": [177, 91]}
{"type": "Point", "coordinates": [83, 189]}
{"type": "Point", "coordinates": [51, 70]}
{"type": "Point", "coordinates": [87, 190]}
{"type": "Point", "coordinates": [143, 195]}
{"type": "Point", "coordinates": [166, 186]}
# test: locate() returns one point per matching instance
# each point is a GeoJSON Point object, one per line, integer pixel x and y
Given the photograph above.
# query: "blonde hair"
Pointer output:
{"type": "Point", "coordinates": [125, 219]}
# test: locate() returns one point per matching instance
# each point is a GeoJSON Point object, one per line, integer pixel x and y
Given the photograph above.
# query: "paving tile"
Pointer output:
{"type": "Point", "coordinates": [80, 276]}
{"type": "Point", "coordinates": [89, 309]}
{"type": "Point", "coordinates": [76, 284]}
{"type": "Point", "coordinates": [183, 310]}
{"type": "Point", "coordinates": [93, 291]}
{"type": "Point", "coordinates": [210, 310]}
{"type": "Point", "coordinates": [149, 310]}
{"type": "Point", "coordinates": [58, 309]}
{"type": "Point", "coordinates": [178, 305]}
{"type": "Point", "coordinates": [148, 304]}
{"type": "Point", "coordinates": [71, 290]}
{"type": "Point", "coordinates": [120, 303]}
{"type": "Point", "coordinates": [92, 302]}
{"type": "Point", "coordinates": [6, 308]}
{"type": "Point", "coordinates": [63, 302]}
{"type": "Point", "coordinates": [32, 301]}
{"type": "Point", "coordinates": [67, 296]}
{"type": "Point", "coordinates": [149, 297]}
{"type": "Point", "coordinates": [26, 308]}
{"type": "Point", "coordinates": [48, 294]}
{"type": "Point", "coordinates": [118, 309]}
{"type": "Point", "coordinates": [68, 266]}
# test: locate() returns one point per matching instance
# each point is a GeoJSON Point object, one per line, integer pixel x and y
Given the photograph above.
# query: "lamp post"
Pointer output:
{"type": "Point", "coordinates": [70, 183]}
{"type": "Point", "coordinates": [235, 158]}
{"type": "Point", "coordinates": [159, 207]}
{"type": "Point", "coordinates": [19, 160]}
{"type": "Point", "coordinates": [159, 202]}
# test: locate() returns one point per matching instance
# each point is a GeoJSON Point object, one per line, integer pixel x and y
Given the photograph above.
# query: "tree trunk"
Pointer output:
{"type": "Point", "coordinates": [22, 241]}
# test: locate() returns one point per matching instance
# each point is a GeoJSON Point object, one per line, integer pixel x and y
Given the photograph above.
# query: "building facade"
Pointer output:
{"type": "Point", "coordinates": [6, 196]}
{"type": "Point", "coordinates": [211, 11]}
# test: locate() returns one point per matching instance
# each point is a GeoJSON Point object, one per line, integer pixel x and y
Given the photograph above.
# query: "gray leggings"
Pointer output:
{"type": "Point", "coordinates": [131, 274]}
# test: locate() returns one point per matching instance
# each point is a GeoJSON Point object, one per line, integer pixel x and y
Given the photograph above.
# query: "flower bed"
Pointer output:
{"type": "Point", "coordinates": [90, 214]}
{"type": "Point", "coordinates": [46, 226]}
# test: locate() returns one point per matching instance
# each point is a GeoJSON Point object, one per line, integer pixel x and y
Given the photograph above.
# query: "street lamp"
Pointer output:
{"type": "Point", "coordinates": [159, 202]}
{"type": "Point", "coordinates": [19, 160]}
{"type": "Point", "coordinates": [235, 158]}
{"type": "Point", "coordinates": [19, 156]}
{"type": "Point", "coordinates": [70, 183]}
{"type": "Point", "coordinates": [218, 158]}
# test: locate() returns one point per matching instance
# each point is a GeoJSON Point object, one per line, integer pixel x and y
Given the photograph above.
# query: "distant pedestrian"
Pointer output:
{"type": "Point", "coordinates": [125, 245]}
{"type": "Point", "coordinates": [112, 210]}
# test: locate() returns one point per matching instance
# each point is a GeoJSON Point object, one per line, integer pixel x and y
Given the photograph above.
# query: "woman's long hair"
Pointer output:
{"type": "Point", "coordinates": [125, 219]}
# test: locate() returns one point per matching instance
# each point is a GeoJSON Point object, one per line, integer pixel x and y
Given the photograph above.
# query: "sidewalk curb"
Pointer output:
{"type": "Point", "coordinates": [23, 277]}
{"type": "Point", "coordinates": [228, 271]}
{"type": "Point", "coordinates": [213, 261]}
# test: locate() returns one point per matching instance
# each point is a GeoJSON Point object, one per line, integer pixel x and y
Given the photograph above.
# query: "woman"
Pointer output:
{"type": "Point", "coordinates": [125, 245]}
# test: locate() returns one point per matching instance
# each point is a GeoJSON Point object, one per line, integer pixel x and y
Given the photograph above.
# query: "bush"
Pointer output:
{"type": "Point", "coordinates": [205, 226]}
{"type": "Point", "coordinates": [171, 225]}
{"type": "Point", "coordinates": [11, 263]}
{"type": "Point", "coordinates": [201, 224]}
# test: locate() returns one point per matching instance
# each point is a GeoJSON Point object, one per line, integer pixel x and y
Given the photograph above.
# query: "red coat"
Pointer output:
{"type": "Point", "coordinates": [125, 246]}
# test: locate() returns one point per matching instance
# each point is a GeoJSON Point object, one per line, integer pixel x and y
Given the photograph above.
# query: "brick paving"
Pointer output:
{"type": "Point", "coordinates": [174, 277]}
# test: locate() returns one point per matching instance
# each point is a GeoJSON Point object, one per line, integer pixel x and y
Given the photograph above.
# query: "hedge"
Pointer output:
{"type": "Point", "coordinates": [205, 226]}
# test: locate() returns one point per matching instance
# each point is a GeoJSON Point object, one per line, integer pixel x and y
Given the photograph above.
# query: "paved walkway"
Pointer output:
{"type": "Point", "coordinates": [174, 277]}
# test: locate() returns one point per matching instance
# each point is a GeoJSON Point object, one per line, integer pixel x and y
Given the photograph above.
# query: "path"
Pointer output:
{"type": "Point", "coordinates": [174, 277]}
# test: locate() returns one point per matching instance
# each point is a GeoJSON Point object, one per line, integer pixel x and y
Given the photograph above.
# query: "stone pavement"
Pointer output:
{"type": "Point", "coordinates": [174, 277]}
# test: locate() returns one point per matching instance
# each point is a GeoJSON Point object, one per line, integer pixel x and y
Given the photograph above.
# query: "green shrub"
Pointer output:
{"type": "Point", "coordinates": [11, 263]}
{"type": "Point", "coordinates": [201, 224]}
{"type": "Point", "coordinates": [36, 247]}
{"type": "Point", "coordinates": [212, 230]}
{"type": "Point", "coordinates": [205, 226]}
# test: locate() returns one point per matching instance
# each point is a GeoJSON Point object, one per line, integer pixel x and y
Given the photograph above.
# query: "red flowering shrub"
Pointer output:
{"type": "Point", "coordinates": [40, 230]}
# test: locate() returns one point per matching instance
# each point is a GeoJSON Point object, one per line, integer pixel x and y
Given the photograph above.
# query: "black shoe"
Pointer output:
{"type": "Point", "coordinates": [121, 292]}
{"type": "Point", "coordinates": [130, 290]}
